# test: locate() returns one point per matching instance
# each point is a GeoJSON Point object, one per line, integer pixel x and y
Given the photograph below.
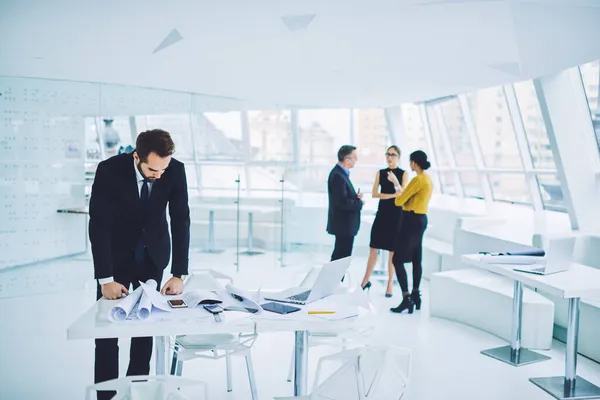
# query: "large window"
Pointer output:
{"type": "Point", "coordinates": [414, 129]}
{"type": "Point", "coordinates": [535, 130]}
{"type": "Point", "coordinates": [494, 129]}
{"type": "Point", "coordinates": [372, 140]}
{"type": "Point", "coordinates": [321, 133]}
{"type": "Point", "coordinates": [178, 125]}
{"type": "Point", "coordinates": [271, 135]}
{"type": "Point", "coordinates": [219, 135]}
{"type": "Point", "coordinates": [551, 190]}
{"type": "Point", "coordinates": [511, 187]}
{"type": "Point", "coordinates": [590, 73]}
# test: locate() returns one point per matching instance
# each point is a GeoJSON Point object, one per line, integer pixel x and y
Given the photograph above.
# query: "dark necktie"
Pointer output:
{"type": "Point", "coordinates": [140, 248]}
{"type": "Point", "coordinates": [144, 192]}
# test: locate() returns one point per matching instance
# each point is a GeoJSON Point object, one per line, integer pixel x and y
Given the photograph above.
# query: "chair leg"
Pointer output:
{"type": "Point", "coordinates": [179, 368]}
{"type": "Point", "coordinates": [174, 361]}
{"type": "Point", "coordinates": [251, 376]}
{"type": "Point", "coordinates": [291, 370]}
{"type": "Point", "coordinates": [176, 364]}
{"type": "Point", "coordinates": [228, 367]}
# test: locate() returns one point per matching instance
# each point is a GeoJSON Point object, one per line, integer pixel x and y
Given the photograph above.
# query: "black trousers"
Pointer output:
{"type": "Point", "coordinates": [409, 248]}
{"type": "Point", "coordinates": [106, 366]}
{"type": "Point", "coordinates": [343, 247]}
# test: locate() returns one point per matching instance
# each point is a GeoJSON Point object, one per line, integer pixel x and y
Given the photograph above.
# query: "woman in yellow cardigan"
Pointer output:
{"type": "Point", "coordinates": [409, 245]}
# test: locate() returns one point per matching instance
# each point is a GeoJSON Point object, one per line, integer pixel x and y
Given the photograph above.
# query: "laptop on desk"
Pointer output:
{"type": "Point", "coordinates": [557, 259]}
{"type": "Point", "coordinates": [329, 278]}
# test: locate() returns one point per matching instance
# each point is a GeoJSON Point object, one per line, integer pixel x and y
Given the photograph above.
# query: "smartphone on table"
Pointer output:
{"type": "Point", "coordinates": [177, 303]}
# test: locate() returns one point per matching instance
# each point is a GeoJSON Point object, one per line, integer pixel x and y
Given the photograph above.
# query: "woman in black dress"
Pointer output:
{"type": "Point", "coordinates": [387, 219]}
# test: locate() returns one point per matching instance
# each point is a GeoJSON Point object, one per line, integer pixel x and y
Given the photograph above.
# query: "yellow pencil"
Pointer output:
{"type": "Point", "coordinates": [321, 312]}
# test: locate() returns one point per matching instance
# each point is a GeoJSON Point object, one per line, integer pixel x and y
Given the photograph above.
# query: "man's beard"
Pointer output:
{"type": "Point", "coordinates": [139, 168]}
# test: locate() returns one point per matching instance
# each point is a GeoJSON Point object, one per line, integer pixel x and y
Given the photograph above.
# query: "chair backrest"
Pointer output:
{"type": "Point", "coordinates": [371, 372]}
{"type": "Point", "coordinates": [160, 387]}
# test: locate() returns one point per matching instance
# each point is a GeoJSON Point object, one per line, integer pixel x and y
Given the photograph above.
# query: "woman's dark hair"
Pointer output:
{"type": "Point", "coordinates": [420, 158]}
{"type": "Point", "coordinates": [154, 141]}
{"type": "Point", "coordinates": [395, 148]}
{"type": "Point", "coordinates": [345, 151]}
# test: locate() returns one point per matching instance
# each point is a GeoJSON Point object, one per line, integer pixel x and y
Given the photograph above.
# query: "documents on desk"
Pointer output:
{"type": "Point", "coordinates": [146, 300]}
{"type": "Point", "coordinates": [510, 259]}
{"type": "Point", "coordinates": [236, 299]}
{"type": "Point", "coordinates": [332, 308]}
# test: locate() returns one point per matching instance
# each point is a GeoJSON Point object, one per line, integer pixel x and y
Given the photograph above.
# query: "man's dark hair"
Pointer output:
{"type": "Point", "coordinates": [154, 141]}
{"type": "Point", "coordinates": [345, 151]}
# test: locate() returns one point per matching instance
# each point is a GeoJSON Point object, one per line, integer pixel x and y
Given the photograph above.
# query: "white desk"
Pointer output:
{"type": "Point", "coordinates": [94, 324]}
{"type": "Point", "coordinates": [579, 280]}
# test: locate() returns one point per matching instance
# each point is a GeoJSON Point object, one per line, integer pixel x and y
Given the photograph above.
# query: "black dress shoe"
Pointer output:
{"type": "Point", "coordinates": [367, 286]}
{"type": "Point", "coordinates": [407, 304]}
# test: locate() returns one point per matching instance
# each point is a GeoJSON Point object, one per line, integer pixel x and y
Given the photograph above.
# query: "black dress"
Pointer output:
{"type": "Point", "coordinates": [388, 217]}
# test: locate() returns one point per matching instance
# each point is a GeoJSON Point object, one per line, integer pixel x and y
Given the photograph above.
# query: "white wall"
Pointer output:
{"type": "Point", "coordinates": [42, 150]}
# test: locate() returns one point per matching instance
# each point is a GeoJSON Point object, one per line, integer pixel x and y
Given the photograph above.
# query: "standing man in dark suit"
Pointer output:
{"type": "Point", "coordinates": [344, 204]}
{"type": "Point", "coordinates": [130, 237]}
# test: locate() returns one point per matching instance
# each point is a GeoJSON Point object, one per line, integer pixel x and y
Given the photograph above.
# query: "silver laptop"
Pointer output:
{"type": "Point", "coordinates": [558, 255]}
{"type": "Point", "coordinates": [329, 278]}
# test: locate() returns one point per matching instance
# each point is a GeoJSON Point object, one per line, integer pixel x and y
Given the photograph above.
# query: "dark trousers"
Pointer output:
{"type": "Point", "coordinates": [409, 248]}
{"type": "Point", "coordinates": [106, 366]}
{"type": "Point", "coordinates": [343, 247]}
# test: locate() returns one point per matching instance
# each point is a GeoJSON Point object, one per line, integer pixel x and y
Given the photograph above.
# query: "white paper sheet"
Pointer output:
{"type": "Point", "coordinates": [195, 297]}
{"type": "Point", "coordinates": [145, 307]}
{"type": "Point", "coordinates": [232, 295]}
{"type": "Point", "coordinates": [158, 300]}
{"type": "Point", "coordinates": [126, 306]}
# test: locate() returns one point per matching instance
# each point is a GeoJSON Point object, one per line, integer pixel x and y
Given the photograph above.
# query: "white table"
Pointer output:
{"type": "Point", "coordinates": [94, 324]}
{"type": "Point", "coordinates": [579, 280]}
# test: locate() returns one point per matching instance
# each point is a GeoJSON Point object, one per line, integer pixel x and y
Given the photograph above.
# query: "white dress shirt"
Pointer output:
{"type": "Point", "coordinates": [140, 183]}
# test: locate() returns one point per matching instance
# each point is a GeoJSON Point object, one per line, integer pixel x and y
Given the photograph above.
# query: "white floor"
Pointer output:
{"type": "Point", "coordinates": [37, 361]}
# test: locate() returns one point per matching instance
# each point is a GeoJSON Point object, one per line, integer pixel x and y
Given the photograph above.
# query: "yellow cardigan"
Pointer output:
{"type": "Point", "coordinates": [417, 194]}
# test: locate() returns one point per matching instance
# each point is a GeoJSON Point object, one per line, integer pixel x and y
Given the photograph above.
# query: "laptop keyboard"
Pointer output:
{"type": "Point", "coordinates": [300, 296]}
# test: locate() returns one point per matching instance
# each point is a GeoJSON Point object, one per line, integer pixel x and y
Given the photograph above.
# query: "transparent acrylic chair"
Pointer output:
{"type": "Point", "coordinates": [161, 387]}
{"type": "Point", "coordinates": [366, 373]}
{"type": "Point", "coordinates": [349, 338]}
{"type": "Point", "coordinates": [214, 346]}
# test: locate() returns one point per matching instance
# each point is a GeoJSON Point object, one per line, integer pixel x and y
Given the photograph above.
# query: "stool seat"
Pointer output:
{"type": "Point", "coordinates": [207, 340]}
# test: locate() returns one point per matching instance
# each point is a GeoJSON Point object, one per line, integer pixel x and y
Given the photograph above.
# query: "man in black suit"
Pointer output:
{"type": "Point", "coordinates": [130, 238]}
{"type": "Point", "coordinates": [344, 204]}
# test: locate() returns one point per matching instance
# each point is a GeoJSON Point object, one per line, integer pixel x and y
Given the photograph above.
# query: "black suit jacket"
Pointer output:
{"type": "Point", "coordinates": [344, 206]}
{"type": "Point", "coordinates": [117, 221]}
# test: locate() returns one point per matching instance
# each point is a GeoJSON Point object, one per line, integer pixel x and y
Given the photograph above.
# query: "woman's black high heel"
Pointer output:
{"type": "Point", "coordinates": [407, 304]}
{"type": "Point", "coordinates": [415, 296]}
{"type": "Point", "coordinates": [367, 286]}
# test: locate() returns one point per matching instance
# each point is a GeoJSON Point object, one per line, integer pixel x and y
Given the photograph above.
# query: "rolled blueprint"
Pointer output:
{"type": "Point", "coordinates": [124, 307]}
{"type": "Point", "coordinates": [145, 307]}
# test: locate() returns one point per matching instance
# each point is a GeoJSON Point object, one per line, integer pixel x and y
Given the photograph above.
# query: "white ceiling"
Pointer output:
{"type": "Point", "coordinates": [353, 53]}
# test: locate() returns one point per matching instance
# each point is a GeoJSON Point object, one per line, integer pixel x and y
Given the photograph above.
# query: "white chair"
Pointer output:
{"type": "Point", "coordinates": [353, 337]}
{"type": "Point", "coordinates": [161, 387]}
{"type": "Point", "coordinates": [213, 346]}
{"type": "Point", "coordinates": [367, 373]}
